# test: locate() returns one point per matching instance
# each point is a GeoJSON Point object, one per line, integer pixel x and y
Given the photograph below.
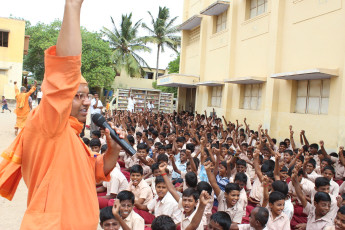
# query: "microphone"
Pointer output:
{"type": "Point", "coordinates": [100, 121]}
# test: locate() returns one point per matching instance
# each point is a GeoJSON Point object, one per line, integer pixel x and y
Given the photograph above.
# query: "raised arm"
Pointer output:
{"type": "Point", "coordinates": [265, 184]}
{"type": "Point", "coordinates": [341, 155]}
{"type": "Point", "coordinates": [203, 201]}
{"type": "Point", "coordinates": [305, 139]}
{"type": "Point", "coordinates": [292, 141]}
{"type": "Point", "coordinates": [276, 167]}
{"type": "Point", "coordinates": [256, 164]}
{"type": "Point", "coordinates": [298, 188]}
{"type": "Point", "coordinates": [212, 178]}
{"type": "Point", "coordinates": [170, 186]}
{"type": "Point", "coordinates": [69, 40]}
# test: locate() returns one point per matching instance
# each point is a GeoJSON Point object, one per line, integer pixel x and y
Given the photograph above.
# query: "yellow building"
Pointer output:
{"type": "Point", "coordinates": [124, 81]}
{"type": "Point", "coordinates": [12, 40]}
{"type": "Point", "coordinates": [275, 62]}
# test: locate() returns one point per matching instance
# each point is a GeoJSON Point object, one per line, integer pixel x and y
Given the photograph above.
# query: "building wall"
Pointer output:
{"type": "Point", "coordinates": [11, 57]}
{"type": "Point", "coordinates": [124, 81]}
{"type": "Point", "coordinates": [289, 36]}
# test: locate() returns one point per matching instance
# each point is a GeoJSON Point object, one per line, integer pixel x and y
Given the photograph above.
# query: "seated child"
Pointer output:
{"type": "Point", "coordinates": [228, 200]}
{"type": "Point", "coordinates": [107, 219]}
{"type": "Point", "coordinates": [124, 214]}
{"type": "Point", "coordinates": [164, 203]}
{"type": "Point", "coordinates": [117, 183]}
{"type": "Point", "coordinates": [151, 180]}
{"type": "Point", "coordinates": [140, 158]}
{"type": "Point", "coordinates": [318, 213]}
{"type": "Point", "coordinates": [191, 217]}
{"type": "Point", "coordinates": [339, 221]}
{"type": "Point", "coordinates": [141, 190]}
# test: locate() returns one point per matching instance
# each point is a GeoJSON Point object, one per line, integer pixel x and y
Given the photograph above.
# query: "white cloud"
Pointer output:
{"type": "Point", "coordinates": [96, 14]}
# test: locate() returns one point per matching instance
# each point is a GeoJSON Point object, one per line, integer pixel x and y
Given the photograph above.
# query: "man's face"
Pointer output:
{"type": "Point", "coordinates": [96, 96]}
{"type": "Point", "coordinates": [339, 221]}
{"type": "Point", "coordinates": [81, 103]}
{"type": "Point", "coordinates": [126, 207]}
{"type": "Point", "coordinates": [252, 221]}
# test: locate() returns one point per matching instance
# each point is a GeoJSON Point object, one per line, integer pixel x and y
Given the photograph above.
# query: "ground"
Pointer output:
{"type": "Point", "coordinates": [11, 212]}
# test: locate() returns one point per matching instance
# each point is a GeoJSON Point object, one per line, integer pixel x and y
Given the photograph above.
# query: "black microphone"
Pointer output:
{"type": "Point", "coordinates": [100, 121]}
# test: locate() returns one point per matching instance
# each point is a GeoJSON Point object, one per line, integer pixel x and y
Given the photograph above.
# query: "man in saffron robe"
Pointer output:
{"type": "Point", "coordinates": [58, 168]}
{"type": "Point", "coordinates": [22, 108]}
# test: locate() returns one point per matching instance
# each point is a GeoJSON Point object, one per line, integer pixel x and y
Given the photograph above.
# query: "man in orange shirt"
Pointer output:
{"type": "Point", "coordinates": [22, 108]}
{"type": "Point", "coordinates": [58, 168]}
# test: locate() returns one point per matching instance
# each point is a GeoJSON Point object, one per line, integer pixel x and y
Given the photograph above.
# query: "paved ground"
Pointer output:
{"type": "Point", "coordinates": [11, 212]}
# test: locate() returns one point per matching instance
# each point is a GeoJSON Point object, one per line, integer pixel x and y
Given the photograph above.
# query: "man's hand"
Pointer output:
{"type": "Point", "coordinates": [322, 144]}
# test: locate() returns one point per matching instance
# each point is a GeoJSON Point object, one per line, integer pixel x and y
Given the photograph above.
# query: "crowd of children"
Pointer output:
{"type": "Point", "coordinates": [193, 171]}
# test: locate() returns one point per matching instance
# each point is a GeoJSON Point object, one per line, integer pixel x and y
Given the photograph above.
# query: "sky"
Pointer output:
{"type": "Point", "coordinates": [96, 14]}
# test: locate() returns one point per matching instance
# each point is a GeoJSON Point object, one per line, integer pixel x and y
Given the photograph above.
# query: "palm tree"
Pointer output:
{"type": "Point", "coordinates": [163, 33]}
{"type": "Point", "coordinates": [126, 44]}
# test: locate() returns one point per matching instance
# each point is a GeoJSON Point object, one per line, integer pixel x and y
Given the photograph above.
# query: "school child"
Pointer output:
{"type": "Point", "coordinates": [179, 165]}
{"type": "Point", "coordinates": [151, 180]}
{"type": "Point", "coordinates": [241, 166]}
{"type": "Point", "coordinates": [318, 211]}
{"type": "Point", "coordinates": [86, 141]}
{"type": "Point", "coordinates": [107, 219]}
{"type": "Point", "coordinates": [124, 213]}
{"type": "Point", "coordinates": [141, 190]}
{"type": "Point", "coordinates": [117, 183]}
{"type": "Point", "coordinates": [189, 201]}
{"type": "Point", "coordinates": [95, 145]}
{"type": "Point", "coordinates": [228, 200]}
{"type": "Point", "coordinates": [4, 105]}
{"type": "Point", "coordinates": [141, 158]}
{"type": "Point", "coordinates": [163, 203]}
{"type": "Point", "coordinates": [327, 172]}
{"type": "Point", "coordinates": [339, 222]}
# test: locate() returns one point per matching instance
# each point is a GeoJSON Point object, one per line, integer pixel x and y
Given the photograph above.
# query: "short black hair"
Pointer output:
{"type": "Point", "coordinates": [276, 196]}
{"type": "Point", "coordinates": [231, 186]}
{"type": "Point", "coordinates": [322, 196]}
{"type": "Point", "coordinates": [241, 162]}
{"type": "Point", "coordinates": [240, 176]}
{"type": "Point", "coordinates": [154, 166]}
{"type": "Point", "coordinates": [181, 139]}
{"type": "Point", "coordinates": [223, 219]}
{"type": "Point", "coordinates": [163, 222]}
{"type": "Point", "coordinates": [321, 181]}
{"type": "Point", "coordinates": [162, 157]}
{"type": "Point", "coordinates": [95, 142]}
{"type": "Point", "coordinates": [280, 186]}
{"type": "Point", "coordinates": [329, 161]}
{"type": "Point", "coordinates": [159, 179]}
{"type": "Point", "coordinates": [313, 162]}
{"type": "Point", "coordinates": [161, 147]}
{"type": "Point", "coordinates": [136, 169]}
{"type": "Point", "coordinates": [106, 214]}
{"type": "Point", "coordinates": [191, 192]}
{"type": "Point", "coordinates": [342, 209]}
{"type": "Point", "coordinates": [191, 179]}
{"type": "Point", "coordinates": [262, 216]}
{"type": "Point", "coordinates": [315, 146]}
{"type": "Point", "coordinates": [142, 146]}
{"type": "Point", "coordinates": [154, 133]}
{"type": "Point", "coordinates": [104, 148]}
{"type": "Point", "coordinates": [96, 133]}
{"type": "Point", "coordinates": [126, 195]}
{"type": "Point", "coordinates": [289, 152]}
{"type": "Point", "coordinates": [86, 141]}
{"type": "Point", "coordinates": [329, 168]}
{"type": "Point", "coordinates": [204, 186]}
{"type": "Point", "coordinates": [190, 147]}
{"type": "Point", "coordinates": [130, 139]}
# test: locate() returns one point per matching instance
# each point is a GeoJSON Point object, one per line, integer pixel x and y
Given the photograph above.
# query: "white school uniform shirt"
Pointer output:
{"type": "Point", "coordinates": [167, 206]}
{"type": "Point", "coordinates": [117, 183]}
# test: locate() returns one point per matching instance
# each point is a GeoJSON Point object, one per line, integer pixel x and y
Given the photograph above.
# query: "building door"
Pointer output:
{"type": "Point", "coordinates": [190, 100]}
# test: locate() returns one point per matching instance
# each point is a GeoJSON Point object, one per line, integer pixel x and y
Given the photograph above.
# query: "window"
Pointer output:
{"type": "Point", "coordinates": [216, 98]}
{"type": "Point", "coordinates": [3, 39]}
{"type": "Point", "coordinates": [252, 96]}
{"type": "Point", "coordinates": [257, 7]}
{"type": "Point", "coordinates": [221, 21]}
{"type": "Point", "coordinates": [312, 96]}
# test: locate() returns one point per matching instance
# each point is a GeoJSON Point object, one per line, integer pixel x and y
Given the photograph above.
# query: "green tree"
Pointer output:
{"type": "Point", "coordinates": [42, 36]}
{"type": "Point", "coordinates": [96, 58]}
{"type": "Point", "coordinates": [96, 66]}
{"type": "Point", "coordinates": [162, 33]}
{"type": "Point", "coordinates": [174, 66]}
{"type": "Point", "coordinates": [125, 44]}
